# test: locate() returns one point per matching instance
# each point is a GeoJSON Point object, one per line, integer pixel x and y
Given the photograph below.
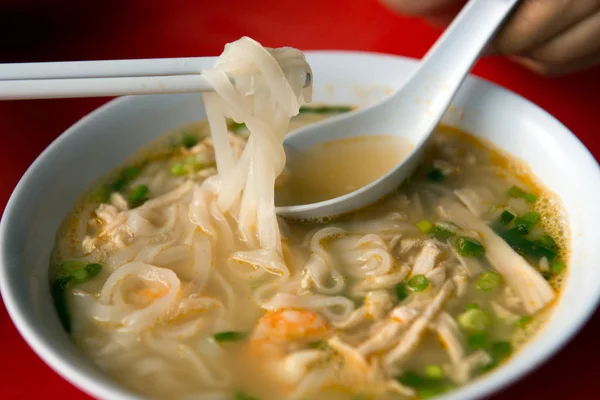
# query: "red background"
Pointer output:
{"type": "Point", "coordinates": [55, 30]}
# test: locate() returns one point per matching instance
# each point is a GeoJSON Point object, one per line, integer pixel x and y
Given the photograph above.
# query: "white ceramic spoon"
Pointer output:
{"type": "Point", "coordinates": [439, 76]}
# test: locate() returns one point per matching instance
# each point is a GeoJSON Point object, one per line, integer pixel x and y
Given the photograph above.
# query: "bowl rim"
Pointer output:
{"type": "Point", "coordinates": [478, 388]}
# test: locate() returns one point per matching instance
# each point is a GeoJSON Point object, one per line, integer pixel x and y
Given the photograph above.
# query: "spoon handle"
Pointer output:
{"type": "Point", "coordinates": [448, 62]}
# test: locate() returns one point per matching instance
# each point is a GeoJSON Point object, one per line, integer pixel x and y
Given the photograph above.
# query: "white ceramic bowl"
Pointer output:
{"type": "Point", "coordinates": [105, 138]}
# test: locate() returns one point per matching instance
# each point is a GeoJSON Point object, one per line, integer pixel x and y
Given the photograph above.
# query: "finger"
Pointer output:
{"type": "Point", "coordinates": [537, 21]}
{"type": "Point", "coordinates": [547, 69]}
{"type": "Point", "coordinates": [423, 8]}
{"type": "Point", "coordinates": [576, 43]}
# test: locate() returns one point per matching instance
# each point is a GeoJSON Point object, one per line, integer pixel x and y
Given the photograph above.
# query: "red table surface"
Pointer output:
{"type": "Point", "coordinates": [70, 30]}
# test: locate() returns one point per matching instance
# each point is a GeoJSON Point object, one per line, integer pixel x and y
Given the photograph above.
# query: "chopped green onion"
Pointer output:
{"type": "Point", "coordinates": [486, 368]}
{"type": "Point", "coordinates": [523, 321]}
{"type": "Point", "coordinates": [501, 350]}
{"type": "Point", "coordinates": [102, 194]}
{"type": "Point", "coordinates": [557, 266]}
{"type": "Point", "coordinates": [93, 269]}
{"type": "Point", "coordinates": [178, 169]}
{"type": "Point", "coordinates": [488, 281]}
{"type": "Point", "coordinates": [425, 226]}
{"type": "Point", "coordinates": [138, 196]}
{"type": "Point", "coordinates": [325, 109]}
{"type": "Point", "coordinates": [59, 299]}
{"type": "Point", "coordinates": [401, 291]}
{"type": "Point", "coordinates": [244, 396]}
{"type": "Point", "coordinates": [78, 271]}
{"type": "Point", "coordinates": [130, 173]}
{"type": "Point", "coordinates": [516, 192]}
{"type": "Point", "coordinates": [236, 126]}
{"type": "Point", "coordinates": [530, 198]}
{"type": "Point", "coordinates": [434, 371]}
{"type": "Point", "coordinates": [126, 176]}
{"type": "Point", "coordinates": [547, 241]}
{"type": "Point", "coordinates": [436, 175]}
{"type": "Point", "coordinates": [472, 306]}
{"type": "Point", "coordinates": [441, 233]}
{"type": "Point", "coordinates": [230, 336]}
{"type": "Point", "coordinates": [412, 379]}
{"type": "Point", "coordinates": [418, 283]}
{"type": "Point", "coordinates": [430, 392]}
{"type": "Point", "coordinates": [469, 247]}
{"type": "Point", "coordinates": [506, 217]}
{"type": "Point", "coordinates": [477, 340]}
{"type": "Point", "coordinates": [474, 320]}
{"type": "Point", "coordinates": [531, 216]}
{"type": "Point", "coordinates": [188, 141]}
{"type": "Point", "coordinates": [426, 387]}
{"type": "Point", "coordinates": [526, 247]}
{"type": "Point", "coordinates": [547, 276]}
{"type": "Point", "coordinates": [521, 228]}
{"type": "Point", "coordinates": [527, 220]}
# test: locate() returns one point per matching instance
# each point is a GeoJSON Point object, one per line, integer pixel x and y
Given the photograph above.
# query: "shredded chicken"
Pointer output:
{"type": "Point", "coordinates": [376, 304]}
{"type": "Point", "coordinates": [425, 261]}
{"type": "Point", "coordinates": [437, 276]}
{"type": "Point", "coordinates": [119, 201]}
{"type": "Point", "coordinates": [386, 281]}
{"type": "Point", "coordinates": [473, 200]}
{"type": "Point", "coordinates": [386, 334]}
{"type": "Point", "coordinates": [461, 372]}
{"type": "Point", "coordinates": [504, 314]}
{"type": "Point", "coordinates": [296, 365]}
{"type": "Point", "coordinates": [529, 285]}
{"type": "Point", "coordinates": [411, 338]}
{"type": "Point", "coordinates": [362, 376]}
{"type": "Point", "coordinates": [450, 336]}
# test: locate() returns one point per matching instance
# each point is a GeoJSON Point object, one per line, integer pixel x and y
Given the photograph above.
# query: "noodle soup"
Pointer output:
{"type": "Point", "coordinates": [179, 282]}
{"type": "Point", "coordinates": [374, 252]}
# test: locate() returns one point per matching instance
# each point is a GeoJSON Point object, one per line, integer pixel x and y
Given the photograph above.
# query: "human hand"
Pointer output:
{"type": "Point", "coordinates": [551, 37]}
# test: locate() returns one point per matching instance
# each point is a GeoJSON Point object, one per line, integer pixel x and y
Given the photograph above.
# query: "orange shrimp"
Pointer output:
{"type": "Point", "coordinates": [279, 333]}
{"type": "Point", "coordinates": [290, 326]}
{"type": "Point", "coordinates": [276, 330]}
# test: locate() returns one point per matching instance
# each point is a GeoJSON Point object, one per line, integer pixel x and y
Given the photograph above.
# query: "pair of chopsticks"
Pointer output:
{"type": "Point", "coordinates": [103, 78]}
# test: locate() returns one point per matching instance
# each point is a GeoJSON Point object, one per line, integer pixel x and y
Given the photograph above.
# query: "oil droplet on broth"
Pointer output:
{"type": "Point", "coordinates": [332, 169]}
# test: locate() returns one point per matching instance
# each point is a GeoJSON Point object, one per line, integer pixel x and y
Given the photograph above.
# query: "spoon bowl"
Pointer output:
{"type": "Point", "coordinates": [441, 71]}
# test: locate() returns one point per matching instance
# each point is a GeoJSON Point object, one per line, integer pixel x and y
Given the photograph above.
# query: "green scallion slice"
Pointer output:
{"type": "Point", "coordinates": [434, 371]}
{"type": "Point", "coordinates": [436, 175]}
{"type": "Point", "coordinates": [557, 266]}
{"type": "Point", "coordinates": [401, 291]}
{"type": "Point", "coordinates": [469, 247]}
{"type": "Point", "coordinates": [523, 321]}
{"type": "Point", "coordinates": [418, 283]}
{"type": "Point", "coordinates": [501, 350]}
{"type": "Point", "coordinates": [516, 192]}
{"type": "Point", "coordinates": [425, 226]}
{"type": "Point", "coordinates": [488, 281]}
{"type": "Point", "coordinates": [477, 340]}
{"type": "Point", "coordinates": [506, 217]}
{"type": "Point", "coordinates": [188, 141]}
{"type": "Point", "coordinates": [230, 336]}
{"type": "Point", "coordinates": [474, 320]}
{"type": "Point", "coordinates": [138, 196]}
{"type": "Point", "coordinates": [441, 233]}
